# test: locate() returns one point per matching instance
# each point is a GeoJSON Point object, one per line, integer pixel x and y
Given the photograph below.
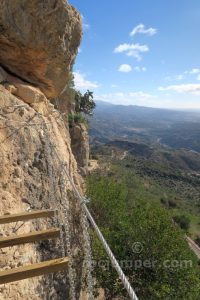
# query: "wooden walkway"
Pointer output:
{"type": "Point", "coordinates": [37, 269]}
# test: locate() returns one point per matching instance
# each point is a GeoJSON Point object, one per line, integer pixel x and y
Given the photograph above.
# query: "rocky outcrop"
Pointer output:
{"type": "Point", "coordinates": [65, 103]}
{"type": "Point", "coordinates": [39, 40]}
{"type": "Point", "coordinates": [30, 178]}
{"type": "Point", "coordinates": [80, 146]}
{"type": "Point", "coordinates": [29, 94]}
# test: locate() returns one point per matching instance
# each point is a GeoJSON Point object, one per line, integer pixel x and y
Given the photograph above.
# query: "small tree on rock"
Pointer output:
{"type": "Point", "coordinates": [84, 103]}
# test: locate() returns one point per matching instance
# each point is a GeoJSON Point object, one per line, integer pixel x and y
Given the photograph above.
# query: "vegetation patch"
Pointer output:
{"type": "Point", "coordinates": [151, 250]}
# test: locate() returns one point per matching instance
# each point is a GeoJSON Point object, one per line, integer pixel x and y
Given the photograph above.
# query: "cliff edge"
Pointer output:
{"type": "Point", "coordinates": [38, 43]}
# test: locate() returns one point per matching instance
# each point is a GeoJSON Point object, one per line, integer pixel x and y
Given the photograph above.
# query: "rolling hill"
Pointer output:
{"type": "Point", "coordinates": [175, 129]}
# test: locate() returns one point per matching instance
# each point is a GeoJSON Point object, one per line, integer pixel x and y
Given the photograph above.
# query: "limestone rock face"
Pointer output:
{"type": "Point", "coordinates": [80, 146]}
{"type": "Point", "coordinates": [31, 177]}
{"type": "Point", "coordinates": [63, 104]}
{"type": "Point", "coordinates": [39, 40]}
{"type": "Point", "coordinates": [24, 91]}
{"type": "Point", "coordinates": [28, 94]}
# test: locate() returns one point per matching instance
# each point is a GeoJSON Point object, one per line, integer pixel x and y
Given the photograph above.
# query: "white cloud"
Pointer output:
{"type": "Point", "coordinates": [175, 77]}
{"type": "Point", "coordinates": [82, 83]}
{"type": "Point", "coordinates": [179, 77]}
{"type": "Point", "coordinates": [133, 98]}
{"type": "Point", "coordinates": [193, 71]}
{"type": "Point", "coordinates": [125, 68]}
{"type": "Point", "coordinates": [114, 85]}
{"type": "Point", "coordinates": [143, 30]}
{"type": "Point", "coordinates": [131, 47]}
{"type": "Point", "coordinates": [184, 75]}
{"type": "Point", "coordinates": [141, 98]}
{"type": "Point", "coordinates": [133, 50]}
{"type": "Point", "coordinates": [134, 54]}
{"type": "Point", "coordinates": [86, 26]}
{"type": "Point", "coordinates": [140, 69]}
{"type": "Point", "coordinates": [140, 95]}
{"type": "Point", "coordinates": [190, 88]}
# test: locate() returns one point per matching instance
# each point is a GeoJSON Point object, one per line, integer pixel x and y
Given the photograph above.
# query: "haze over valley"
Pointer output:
{"type": "Point", "coordinates": [175, 129]}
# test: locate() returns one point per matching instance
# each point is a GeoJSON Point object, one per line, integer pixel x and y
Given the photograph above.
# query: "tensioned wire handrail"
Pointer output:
{"type": "Point", "coordinates": [83, 201]}
{"type": "Point", "coordinates": [115, 263]}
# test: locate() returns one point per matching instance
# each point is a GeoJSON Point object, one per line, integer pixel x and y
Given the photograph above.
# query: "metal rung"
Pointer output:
{"type": "Point", "coordinates": [26, 216]}
{"type": "Point", "coordinates": [34, 270]}
{"type": "Point", "coordinates": [29, 237]}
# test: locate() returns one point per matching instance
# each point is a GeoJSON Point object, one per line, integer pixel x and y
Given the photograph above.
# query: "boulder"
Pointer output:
{"type": "Point", "coordinates": [28, 94]}
{"type": "Point", "coordinates": [38, 41]}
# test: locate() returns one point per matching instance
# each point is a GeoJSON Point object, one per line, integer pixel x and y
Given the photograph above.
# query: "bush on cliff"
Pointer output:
{"type": "Point", "coordinates": [75, 118]}
{"type": "Point", "coordinates": [183, 221]}
{"type": "Point", "coordinates": [84, 103]}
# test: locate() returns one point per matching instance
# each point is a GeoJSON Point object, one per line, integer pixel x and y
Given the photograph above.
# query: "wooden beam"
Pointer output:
{"type": "Point", "coordinates": [26, 216]}
{"type": "Point", "coordinates": [34, 270]}
{"type": "Point", "coordinates": [29, 237]}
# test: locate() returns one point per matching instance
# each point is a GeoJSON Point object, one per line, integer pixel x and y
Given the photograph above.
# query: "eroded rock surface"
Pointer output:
{"type": "Point", "coordinates": [38, 43]}
{"type": "Point", "coordinates": [80, 146]}
{"type": "Point", "coordinates": [31, 177]}
{"type": "Point", "coordinates": [39, 40]}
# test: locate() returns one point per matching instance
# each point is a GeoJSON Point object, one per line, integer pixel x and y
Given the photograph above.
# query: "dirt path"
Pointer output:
{"type": "Point", "coordinates": [195, 248]}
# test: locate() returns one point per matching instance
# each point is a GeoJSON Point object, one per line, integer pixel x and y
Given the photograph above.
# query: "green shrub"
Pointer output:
{"type": "Point", "coordinates": [183, 221]}
{"type": "Point", "coordinates": [84, 103]}
{"type": "Point", "coordinates": [76, 118]}
{"type": "Point", "coordinates": [172, 204]}
{"type": "Point", "coordinates": [127, 222]}
{"type": "Point", "coordinates": [197, 241]}
{"type": "Point", "coordinates": [94, 156]}
{"type": "Point", "coordinates": [164, 202]}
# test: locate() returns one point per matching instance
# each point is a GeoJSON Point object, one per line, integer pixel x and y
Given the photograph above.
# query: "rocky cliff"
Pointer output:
{"type": "Point", "coordinates": [38, 43]}
{"type": "Point", "coordinates": [80, 146]}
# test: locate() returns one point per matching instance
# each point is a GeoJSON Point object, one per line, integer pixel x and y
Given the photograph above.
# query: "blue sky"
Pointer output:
{"type": "Point", "coordinates": [140, 52]}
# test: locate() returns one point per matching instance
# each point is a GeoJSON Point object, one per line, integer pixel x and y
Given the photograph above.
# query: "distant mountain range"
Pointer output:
{"type": "Point", "coordinates": [174, 129]}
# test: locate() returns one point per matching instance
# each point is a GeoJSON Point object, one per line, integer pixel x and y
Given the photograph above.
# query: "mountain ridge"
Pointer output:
{"type": "Point", "coordinates": [175, 129]}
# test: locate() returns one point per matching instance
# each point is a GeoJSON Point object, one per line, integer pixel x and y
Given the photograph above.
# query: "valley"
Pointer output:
{"type": "Point", "coordinates": [153, 126]}
{"type": "Point", "coordinates": [163, 167]}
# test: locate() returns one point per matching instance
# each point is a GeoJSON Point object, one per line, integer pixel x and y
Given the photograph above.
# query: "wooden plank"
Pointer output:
{"type": "Point", "coordinates": [29, 237]}
{"type": "Point", "coordinates": [26, 216]}
{"type": "Point", "coordinates": [34, 270]}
